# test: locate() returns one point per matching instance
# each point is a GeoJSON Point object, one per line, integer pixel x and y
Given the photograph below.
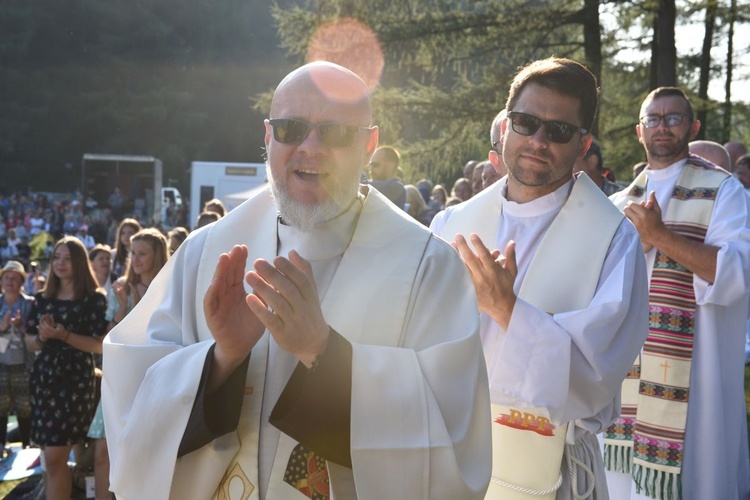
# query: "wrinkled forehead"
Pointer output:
{"type": "Point", "coordinates": [664, 105]}
{"type": "Point", "coordinates": [323, 94]}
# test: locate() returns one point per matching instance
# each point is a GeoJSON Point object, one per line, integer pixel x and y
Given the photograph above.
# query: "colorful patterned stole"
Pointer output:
{"type": "Point", "coordinates": [648, 439]}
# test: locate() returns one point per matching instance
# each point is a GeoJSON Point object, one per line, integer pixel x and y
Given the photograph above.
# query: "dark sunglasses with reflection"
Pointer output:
{"type": "Point", "coordinates": [333, 135]}
{"type": "Point", "coordinates": [559, 132]}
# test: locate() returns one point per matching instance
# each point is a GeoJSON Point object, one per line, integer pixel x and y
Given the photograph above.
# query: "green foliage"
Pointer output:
{"type": "Point", "coordinates": [448, 65]}
{"type": "Point", "coordinates": [185, 80]}
{"type": "Point", "coordinates": [167, 78]}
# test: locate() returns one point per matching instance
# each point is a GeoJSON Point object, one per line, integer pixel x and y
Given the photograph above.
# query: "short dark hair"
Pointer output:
{"type": "Point", "coordinates": [215, 205]}
{"type": "Point", "coordinates": [206, 217]}
{"type": "Point", "coordinates": [178, 232]}
{"type": "Point", "coordinates": [98, 248]}
{"type": "Point", "coordinates": [667, 92]}
{"type": "Point", "coordinates": [565, 76]}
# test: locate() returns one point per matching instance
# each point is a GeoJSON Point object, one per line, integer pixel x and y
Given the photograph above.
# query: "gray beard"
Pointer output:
{"type": "Point", "coordinates": [307, 217]}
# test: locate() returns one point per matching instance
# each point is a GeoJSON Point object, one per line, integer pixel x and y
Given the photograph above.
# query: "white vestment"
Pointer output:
{"type": "Point", "coordinates": [419, 390]}
{"type": "Point", "coordinates": [715, 462]}
{"type": "Point", "coordinates": [570, 363]}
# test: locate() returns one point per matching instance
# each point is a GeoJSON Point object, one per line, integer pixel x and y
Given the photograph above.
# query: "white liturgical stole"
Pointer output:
{"type": "Point", "coordinates": [527, 449]}
{"type": "Point", "coordinates": [386, 243]}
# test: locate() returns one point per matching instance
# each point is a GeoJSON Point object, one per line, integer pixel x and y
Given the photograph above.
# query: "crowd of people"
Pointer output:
{"type": "Point", "coordinates": [59, 299]}
{"type": "Point", "coordinates": [578, 312]}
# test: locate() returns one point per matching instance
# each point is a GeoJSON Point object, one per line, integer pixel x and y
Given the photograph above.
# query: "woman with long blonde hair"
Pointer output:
{"type": "Point", "coordinates": [121, 251]}
{"type": "Point", "coordinates": [148, 254]}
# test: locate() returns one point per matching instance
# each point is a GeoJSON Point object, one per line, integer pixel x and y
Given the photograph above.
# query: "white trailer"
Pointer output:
{"type": "Point", "coordinates": [229, 182]}
{"type": "Point", "coordinates": [138, 177]}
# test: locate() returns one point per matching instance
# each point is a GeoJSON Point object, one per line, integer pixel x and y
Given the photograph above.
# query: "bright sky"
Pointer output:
{"type": "Point", "coordinates": [689, 39]}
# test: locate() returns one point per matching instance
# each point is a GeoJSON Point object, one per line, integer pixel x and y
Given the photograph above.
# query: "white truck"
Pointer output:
{"type": "Point", "coordinates": [231, 183]}
{"type": "Point", "coordinates": [139, 180]}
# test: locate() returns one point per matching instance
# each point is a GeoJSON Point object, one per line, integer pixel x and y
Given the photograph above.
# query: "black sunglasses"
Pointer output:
{"type": "Point", "coordinates": [559, 132]}
{"type": "Point", "coordinates": [333, 135]}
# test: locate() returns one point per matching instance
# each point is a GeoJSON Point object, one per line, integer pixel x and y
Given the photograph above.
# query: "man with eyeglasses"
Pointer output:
{"type": "Point", "coordinates": [683, 432]}
{"type": "Point", "coordinates": [313, 342]}
{"type": "Point", "coordinates": [383, 172]}
{"type": "Point", "coordinates": [560, 280]}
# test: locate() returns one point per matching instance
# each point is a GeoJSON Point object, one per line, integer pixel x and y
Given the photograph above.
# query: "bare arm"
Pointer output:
{"type": "Point", "coordinates": [121, 291]}
{"type": "Point", "coordinates": [48, 329]}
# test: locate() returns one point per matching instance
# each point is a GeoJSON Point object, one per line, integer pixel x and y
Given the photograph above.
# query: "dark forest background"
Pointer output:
{"type": "Point", "coordinates": [188, 80]}
{"type": "Point", "coordinates": [168, 78]}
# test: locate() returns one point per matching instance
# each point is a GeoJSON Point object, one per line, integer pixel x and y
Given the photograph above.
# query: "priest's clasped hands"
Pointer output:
{"type": "Point", "coordinates": [284, 300]}
{"type": "Point", "coordinates": [493, 275]}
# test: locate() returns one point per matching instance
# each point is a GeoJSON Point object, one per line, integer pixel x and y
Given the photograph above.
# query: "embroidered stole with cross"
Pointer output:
{"type": "Point", "coordinates": [648, 438]}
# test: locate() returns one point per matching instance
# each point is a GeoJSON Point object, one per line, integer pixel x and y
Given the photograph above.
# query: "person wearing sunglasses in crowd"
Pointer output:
{"type": "Point", "coordinates": [560, 280]}
{"type": "Point", "coordinates": [686, 410]}
{"type": "Point", "coordinates": [254, 358]}
{"type": "Point", "coordinates": [383, 174]}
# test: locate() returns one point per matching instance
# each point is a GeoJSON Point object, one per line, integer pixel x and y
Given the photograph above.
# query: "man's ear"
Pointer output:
{"type": "Point", "coordinates": [494, 158]}
{"type": "Point", "coordinates": [585, 144]}
{"type": "Point", "coordinates": [372, 142]}
{"type": "Point", "coordinates": [269, 133]}
{"type": "Point", "coordinates": [694, 129]}
{"type": "Point", "coordinates": [639, 133]}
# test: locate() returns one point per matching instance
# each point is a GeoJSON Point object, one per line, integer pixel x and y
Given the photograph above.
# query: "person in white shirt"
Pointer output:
{"type": "Point", "coordinates": [314, 341]}
{"type": "Point", "coordinates": [683, 432]}
{"type": "Point", "coordinates": [561, 284]}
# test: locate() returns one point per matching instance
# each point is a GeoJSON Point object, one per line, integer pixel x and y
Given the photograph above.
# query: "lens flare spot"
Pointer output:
{"type": "Point", "coordinates": [349, 43]}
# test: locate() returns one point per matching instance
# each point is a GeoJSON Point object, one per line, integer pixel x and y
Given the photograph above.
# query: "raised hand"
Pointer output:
{"type": "Point", "coordinates": [493, 275]}
{"type": "Point", "coordinates": [234, 326]}
{"type": "Point", "coordinates": [16, 320]}
{"type": "Point", "coordinates": [646, 216]}
{"type": "Point", "coordinates": [286, 300]}
{"type": "Point", "coordinates": [121, 290]}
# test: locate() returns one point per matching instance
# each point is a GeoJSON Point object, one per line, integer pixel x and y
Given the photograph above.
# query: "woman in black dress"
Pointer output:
{"type": "Point", "coordinates": [67, 325]}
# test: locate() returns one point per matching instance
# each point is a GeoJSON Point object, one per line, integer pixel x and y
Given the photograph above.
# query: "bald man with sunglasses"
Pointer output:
{"type": "Point", "coordinates": [311, 343]}
{"type": "Point", "coordinates": [560, 281]}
